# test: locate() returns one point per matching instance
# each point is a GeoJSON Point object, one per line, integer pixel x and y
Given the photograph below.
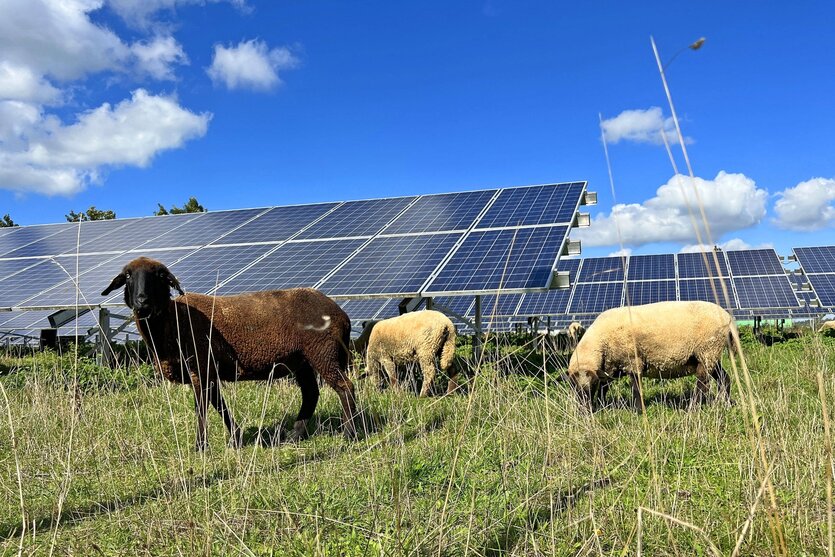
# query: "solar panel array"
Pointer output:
{"type": "Point", "coordinates": [818, 267]}
{"type": "Point", "coordinates": [461, 243]}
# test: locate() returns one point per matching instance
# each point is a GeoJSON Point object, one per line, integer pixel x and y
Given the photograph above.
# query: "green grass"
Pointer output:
{"type": "Point", "coordinates": [512, 468]}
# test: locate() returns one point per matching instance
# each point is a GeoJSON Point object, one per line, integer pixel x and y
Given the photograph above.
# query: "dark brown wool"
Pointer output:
{"type": "Point", "coordinates": [201, 339]}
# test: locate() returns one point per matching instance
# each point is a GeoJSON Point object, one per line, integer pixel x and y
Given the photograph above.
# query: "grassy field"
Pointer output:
{"type": "Point", "coordinates": [513, 467]}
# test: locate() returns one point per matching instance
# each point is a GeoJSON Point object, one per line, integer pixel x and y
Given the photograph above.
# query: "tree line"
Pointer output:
{"type": "Point", "coordinates": [190, 206]}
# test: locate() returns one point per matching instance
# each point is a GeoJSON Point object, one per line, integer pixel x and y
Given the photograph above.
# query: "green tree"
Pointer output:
{"type": "Point", "coordinates": [191, 206]}
{"type": "Point", "coordinates": [90, 214]}
{"type": "Point", "coordinates": [6, 221]}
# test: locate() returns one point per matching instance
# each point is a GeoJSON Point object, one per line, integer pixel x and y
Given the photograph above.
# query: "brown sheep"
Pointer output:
{"type": "Point", "coordinates": [660, 341]}
{"type": "Point", "coordinates": [202, 340]}
{"type": "Point", "coordinates": [421, 336]}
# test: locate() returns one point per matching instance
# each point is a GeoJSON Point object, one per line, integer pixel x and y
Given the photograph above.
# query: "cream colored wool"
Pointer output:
{"type": "Point", "coordinates": [661, 340]}
{"type": "Point", "coordinates": [575, 331]}
{"type": "Point", "coordinates": [827, 326]}
{"type": "Point", "coordinates": [420, 336]}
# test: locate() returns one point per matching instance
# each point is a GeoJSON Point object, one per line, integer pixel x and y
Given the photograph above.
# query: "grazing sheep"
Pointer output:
{"type": "Point", "coordinates": [662, 340]}
{"type": "Point", "coordinates": [420, 336]}
{"type": "Point", "coordinates": [202, 340]}
{"type": "Point", "coordinates": [827, 328]}
{"type": "Point", "coordinates": [575, 332]}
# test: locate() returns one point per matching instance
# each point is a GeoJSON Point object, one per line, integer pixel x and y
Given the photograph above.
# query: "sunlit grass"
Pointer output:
{"type": "Point", "coordinates": [513, 467]}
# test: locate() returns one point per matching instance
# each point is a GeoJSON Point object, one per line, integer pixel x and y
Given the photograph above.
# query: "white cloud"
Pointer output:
{"type": "Point", "coordinates": [730, 201]}
{"type": "Point", "coordinates": [250, 65]}
{"type": "Point", "coordinates": [624, 252]}
{"type": "Point", "coordinates": [140, 13]}
{"type": "Point", "coordinates": [56, 159]}
{"type": "Point", "coordinates": [19, 83]}
{"type": "Point", "coordinates": [733, 244]}
{"type": "Point", "coordinates": [808, 206]}
{"type": "Point", "coordinates": [156, 57]}
{"type": "Point", "coordinates": [641, 126]}
{"type": "Point", "coordinates": [47, 46]}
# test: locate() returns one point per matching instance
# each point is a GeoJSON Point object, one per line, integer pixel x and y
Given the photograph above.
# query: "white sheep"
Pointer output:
{"type": "Point", "coordinates": [575, 332]}
{"type": "Point", "coordinates": [421, 337]}
{"type": "Point", "coordinates": [661, 341]}
{"type": "Point", "coordinates": [827, 327]}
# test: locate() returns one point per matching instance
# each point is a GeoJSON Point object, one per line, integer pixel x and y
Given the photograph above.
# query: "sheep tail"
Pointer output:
{"type": "Point", "coordinates": [448, 343]}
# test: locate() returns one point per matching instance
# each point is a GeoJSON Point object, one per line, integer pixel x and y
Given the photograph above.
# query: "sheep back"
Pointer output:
{"type": "Point", "coordinates": [252, 332]}
{"type": "Point", "coordinates": [412, 335]}
{"type": "Point", "coordinates": [668, 338]}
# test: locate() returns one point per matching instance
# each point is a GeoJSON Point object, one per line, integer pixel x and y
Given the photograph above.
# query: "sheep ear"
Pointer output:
{"type": "Point", "coordinates": [117, 282]}
{"type": "Point", "coordinates": [174, 283]}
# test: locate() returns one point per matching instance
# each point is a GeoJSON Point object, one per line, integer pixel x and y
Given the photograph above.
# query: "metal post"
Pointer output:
{"type": "Point", "coordinates": [477, 338]}
{"type": "Point", "coordinates": [429, 304]}
{"type": "Point", "coordinates": [105, 337]}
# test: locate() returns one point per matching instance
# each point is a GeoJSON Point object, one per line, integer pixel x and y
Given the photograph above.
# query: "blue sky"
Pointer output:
{"type": "Point", "coordinates": [125, 103]}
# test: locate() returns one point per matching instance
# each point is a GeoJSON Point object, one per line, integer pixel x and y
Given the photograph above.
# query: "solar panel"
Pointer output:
{"type": "Point", "coordinates": [138, 232]}
{"type": "Point", "coordinates": [26, 235]}
{"type": "Point", "coordinates": [824, 286]}
{"type": "Point", "coordinates": [819, 259]}
{"type": "Point", "coordinates": [501, 260]}
{"type": "Point", "coordinates": [807, 297]}
{"type": "Point", "coordinates": [570, 266]}
{"type": "Point", "coordinates": [203, 230]}
{"type": "Point", "coordinates": [708, 290]}
{"type": "Point", "coordinates": [46, 274]}
{"type": "Point", "coordinates": [435, 213]}
{"type": "Point", "coordinates": [550, 302]}
{"type": "Point", "coordinates": [596, 297]}
{"type": "Point", "coordinates": [9, 267]}
{"type": "Point", "coordinates": [72, 238]}
{"type": "Point", "coordinates": [754, 262]}
{"type": "Point", "coordinates": [534, 205]}
{"type": "Point", "coordinates": [646, 267]}
{"type": "Point", "coordinates": [503, 305]}
{"type": "Point", "coordinates": [397, 265]}
{"type": "Point", "coordinates": [205, 269]}
{"type": "Point", "coordinates": [650, 291]}
{"type": "Point", "coordinates": [277, 224]}
{"type": "Point", "coordinates": [93, 278]}
{"type": "Point", "coordinates": [293, 264]}
{"type": "Point", "coordinates": [602, 269]}
{"type": "Point", "coordinates": [458, 304]}
{"type": "Point", "coordinates": [357, 218]}
{"type": "Point", "coordinates": [701, 265]}
{"type": "Point", "coordinates": [363, 310]}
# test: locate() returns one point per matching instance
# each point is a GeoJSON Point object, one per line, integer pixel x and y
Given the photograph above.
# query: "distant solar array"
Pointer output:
{"type": "Point", "coordinates": [747, 282]}
{"type": "Point", "coordinates": [461, 243]}
{"type": "Point", "coordinates": [818, 265]}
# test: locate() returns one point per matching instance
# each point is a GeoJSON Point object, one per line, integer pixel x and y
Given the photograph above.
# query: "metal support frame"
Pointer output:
{"type": "Point", "coordinates": [477, 337]}
{"type": "Point", "coordinates": [105, 338]}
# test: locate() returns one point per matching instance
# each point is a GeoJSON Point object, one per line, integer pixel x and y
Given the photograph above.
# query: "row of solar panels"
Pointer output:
{"type": "Point", "coordinates": [754, 280]}
{"type": "Point", "coordinates": [481, 241]}
{"type": "Point", "coordinates": [747, 282]}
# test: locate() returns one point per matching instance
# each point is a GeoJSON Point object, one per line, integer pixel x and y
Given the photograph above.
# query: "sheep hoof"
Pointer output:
{"type": "Point", "coordinates": [299, 432]}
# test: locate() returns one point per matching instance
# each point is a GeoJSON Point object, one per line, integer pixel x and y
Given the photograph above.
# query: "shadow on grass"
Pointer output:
{"type": "Point", "coordinates": [322, 423]}
{"type": "Point", "coordinates": [504, 538]}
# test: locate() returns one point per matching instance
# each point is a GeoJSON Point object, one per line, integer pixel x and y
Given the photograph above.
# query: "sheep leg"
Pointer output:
{"type": "Point", "coordinates": [200, 404]}
{"type": "Point", "coordinates": [724, 381]}
{"type": "Point", "coordinates": [702, 385]}
{"type": "Point", "coordinates": [306, 379]}
{"type": "Point", "coordinates": [235, 436]}
{"type": "Point", "coordinates": [391, 371]}
{"type": "Point", "coordinates": [637, 394]}
{"type": "Point", "coordinates": [428, 369]}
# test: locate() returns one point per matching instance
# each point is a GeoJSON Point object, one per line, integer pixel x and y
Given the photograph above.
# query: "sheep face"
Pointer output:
{"type": "Point", "coordinates": [583, 375]}
{"type": "Point", "coordinates": [148, 285]}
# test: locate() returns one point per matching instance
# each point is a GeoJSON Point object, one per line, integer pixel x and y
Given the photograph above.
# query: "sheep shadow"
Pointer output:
{"type": "Point", "coordinates": [368, 423]}
{"type": "Point", "coordinates": [683, 401]}
{"type": "Point", "coordinates": [504, 538]}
